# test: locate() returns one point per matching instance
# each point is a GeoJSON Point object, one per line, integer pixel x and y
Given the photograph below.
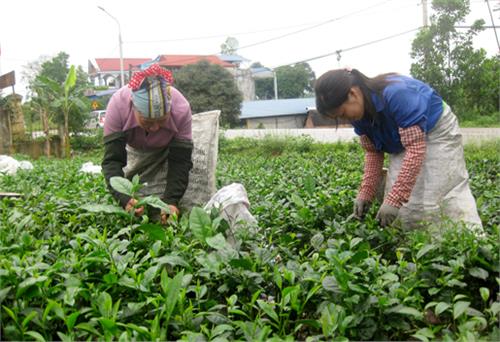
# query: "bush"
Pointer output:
{"type": "Point", "coordinates": [87, 141]}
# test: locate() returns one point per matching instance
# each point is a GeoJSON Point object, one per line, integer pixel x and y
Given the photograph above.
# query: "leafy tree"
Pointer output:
{"type": "Point", "coordinates": [210, 87]}
{"type": "Point", "coordinates": [446, 59]}
{"type": "Point", "coordinates": [56, 70]}
{"type": "Point", "coordinates": [65, 99]}
{"type": "Point", "coordinates": [293, 81]}
{"type": "Point", "coordinates": [264, 87]}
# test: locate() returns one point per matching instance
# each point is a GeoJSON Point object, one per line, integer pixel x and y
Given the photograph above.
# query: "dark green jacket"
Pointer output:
{"type": "Point", "coordinates": [179, 165]}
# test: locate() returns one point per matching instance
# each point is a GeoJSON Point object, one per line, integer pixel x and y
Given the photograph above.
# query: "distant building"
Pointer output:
{"type": "Point", "coordinates": [285, 113]}
{"type": "Point", "coordinates": [232, 63]}
{"type": "Point", "coordinates": [106, 71]}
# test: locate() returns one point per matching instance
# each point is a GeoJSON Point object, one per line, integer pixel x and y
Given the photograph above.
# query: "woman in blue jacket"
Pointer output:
{"type": "Point", "coordinates": [427, 180]}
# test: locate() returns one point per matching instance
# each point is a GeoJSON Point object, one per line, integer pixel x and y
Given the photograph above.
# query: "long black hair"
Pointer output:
{"type": "Point", "coordinates": [333, 87]}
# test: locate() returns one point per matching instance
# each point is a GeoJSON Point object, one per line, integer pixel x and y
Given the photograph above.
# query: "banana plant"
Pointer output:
{"type": "Point", "coordinates": [64, 99]}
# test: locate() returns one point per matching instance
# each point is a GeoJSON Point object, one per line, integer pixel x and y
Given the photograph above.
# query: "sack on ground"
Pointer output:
{"type": "Point", "coordinates": [9, 165]}
{"type": "Point", "coordinates": [232, 201]}
{"type": "Point", "coordinates": [152, 166]}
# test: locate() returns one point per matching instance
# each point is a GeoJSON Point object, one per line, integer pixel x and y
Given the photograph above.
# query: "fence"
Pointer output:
{"type": "Point", "coordinates": [25, 134]}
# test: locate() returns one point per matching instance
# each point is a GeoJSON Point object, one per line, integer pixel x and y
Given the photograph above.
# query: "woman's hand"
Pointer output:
{"type": "Point", "coordinates": [131, 206]}
{"type": "Point", "coordinates": [361, 207]}
{"type": "Point", "coordinates": [387, 214]}
{"type": "Point", "coordinates": [174, 212]}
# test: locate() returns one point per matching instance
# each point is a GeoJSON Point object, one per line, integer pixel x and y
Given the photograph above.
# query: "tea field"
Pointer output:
{"type": "Point", "coordinates": [311, 273]}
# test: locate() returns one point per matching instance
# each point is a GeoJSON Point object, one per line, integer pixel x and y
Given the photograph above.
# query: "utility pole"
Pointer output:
{"type": "Point", "coordinates": [275, 85]}
{"type": "Point", "coordinates": [122, 74]}
{"type": "Point", "coordinates": [493, 24]}
{"type": "Point", "coordinates": [424, 14]}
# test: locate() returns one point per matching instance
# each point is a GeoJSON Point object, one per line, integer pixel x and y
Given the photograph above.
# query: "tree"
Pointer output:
{"type": "Point", "coordinates": [293, 81]}
{"type": "Point", "coordinates": [65, 98]}
{"type": "Point", "coordinates": [446, 59]}
{"type": "Point", "coordinates": [56, 69]}
{"type": "Point", "coordinates": [264, 86]}
{"type": "Point", "coordinates": [209, 87]}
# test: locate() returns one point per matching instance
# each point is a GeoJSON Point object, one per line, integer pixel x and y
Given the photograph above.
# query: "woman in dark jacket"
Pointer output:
{"type": "Point", "coordinates": [147, 131]}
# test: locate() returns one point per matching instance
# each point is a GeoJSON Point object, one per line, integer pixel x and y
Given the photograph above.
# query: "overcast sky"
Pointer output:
{"type": "Point", "coordinates": [308, 29]}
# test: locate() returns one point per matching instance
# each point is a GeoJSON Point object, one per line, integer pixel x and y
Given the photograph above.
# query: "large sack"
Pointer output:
{"type": "Point", "coordinates": [9, 165]}
{"type": "Point", "coordinates": [201, 186]}
{"type": "Point", "coordinates": [232, 201]}
{"type": "Point", "coordinates": [442, 190]}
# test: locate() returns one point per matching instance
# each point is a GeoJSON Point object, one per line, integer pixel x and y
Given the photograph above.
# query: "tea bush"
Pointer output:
{"type": "Point", "coordinates": [311, 273]}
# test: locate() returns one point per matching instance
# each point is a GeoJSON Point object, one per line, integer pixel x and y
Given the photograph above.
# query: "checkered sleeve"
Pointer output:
{"type": "Point", "coordinates": [413, 140]}
{"type": "Point", "coordinates": [374, 160]}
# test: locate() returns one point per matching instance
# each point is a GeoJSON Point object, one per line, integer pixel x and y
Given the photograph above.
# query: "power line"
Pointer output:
{"type": "Point", "coordinates": [493, 24]}
{"type": "Point", "coordinates": [337, 52]}
{"type": "Point", "coordinates": [262, 31]}
{"type": "Point", "coordinates": [314, 26]}
{"type": "Point", "coordinates": [306, 28]}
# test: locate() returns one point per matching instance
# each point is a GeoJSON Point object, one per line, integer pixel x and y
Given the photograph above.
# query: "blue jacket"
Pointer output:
{"type": "Point", "coordinates": [405, 102]}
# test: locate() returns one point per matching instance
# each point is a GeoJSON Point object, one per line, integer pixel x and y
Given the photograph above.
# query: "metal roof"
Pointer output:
{"type": "Point", "coordinates": [272, 108]}
{"type": "Point", "coordinates": [233, 58]}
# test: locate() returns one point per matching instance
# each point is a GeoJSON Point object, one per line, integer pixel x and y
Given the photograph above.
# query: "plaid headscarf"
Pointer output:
{"type": "Point", "coordinates": [151, 92]}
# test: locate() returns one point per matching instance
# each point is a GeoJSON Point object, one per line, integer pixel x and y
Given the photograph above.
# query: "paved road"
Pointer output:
{"type": "Point", "coordinates": [330, 135]}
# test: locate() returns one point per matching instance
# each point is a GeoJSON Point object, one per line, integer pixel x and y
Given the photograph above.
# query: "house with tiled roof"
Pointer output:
{"type": "Point", "coordinates": [106, 71]}
{"type": "Point", "coordinates": [174, 62]}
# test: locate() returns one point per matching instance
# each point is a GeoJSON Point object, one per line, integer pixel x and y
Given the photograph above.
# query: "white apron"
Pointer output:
{"type": "Point", "coordinates": [442, 191]}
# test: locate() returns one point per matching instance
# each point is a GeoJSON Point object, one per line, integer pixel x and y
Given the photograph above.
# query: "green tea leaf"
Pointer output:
{"type": "Point", "coordinates": [36, 336]}
{"type": "Point", "coordinates": [406, 310]}
{"type": "Point", "coordinates": [268, 309]}
{"type": "Point", "coordinates": [478, 272]}
{"type": "Point", "coordinates": [25, 284]}
{"type": "Point", "coordinates": [200, 224]}
{"type": "Point", "coordinates": [317, 241]}
{"type": "Point", "coordinates": [309, 184]}
{"type": "Point", "coordinates": [55, 307]}
{"type": "Point", "coordinates": [495, 308]}
{"type": "Point", "coordinates": [172, 289]}
{"type": "Point", "coordinates": [173, 260]}
{"type": "Point", "coordinates": [278, 280]}
{"type": "Point", "coordinates": [105, 304]}
{"type": "Point", "coordinates": [71, 320]}
{"type": "Point", "coordinates": [485, 293]}
{"type": "Point", "coordinates": [104, 208]}
{"type": "Point", "coordinates": [441, 307]}
{"type": "Point", "coordinates": [122, 185]}
{"type": "Point", "coordinates": [4, 292]}
{"type": "Point", "coordinates": [390, 277]}
{"type": "Point", "coordinates": [423, 251]}
{"type": "Point", "coordinates": [459, 308]}
{"type": "Point", "coordinates": [217, 242]}
{"type": "Point", "coordinates": [155, 202]}
{"type": "Point", "coordinates": [28, 318]}
{"type": "Point", "coordinates": [89, 327]}
{"type": "Point", "coordinates": [154, 231]}
{"type": "Point", "coordinates": [354, 242]}
{"type": "Point", "coordinates": [299, 202]}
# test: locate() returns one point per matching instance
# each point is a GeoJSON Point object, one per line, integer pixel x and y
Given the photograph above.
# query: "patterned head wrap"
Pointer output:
{"type": "Point", "coordinates": [151, 91]}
